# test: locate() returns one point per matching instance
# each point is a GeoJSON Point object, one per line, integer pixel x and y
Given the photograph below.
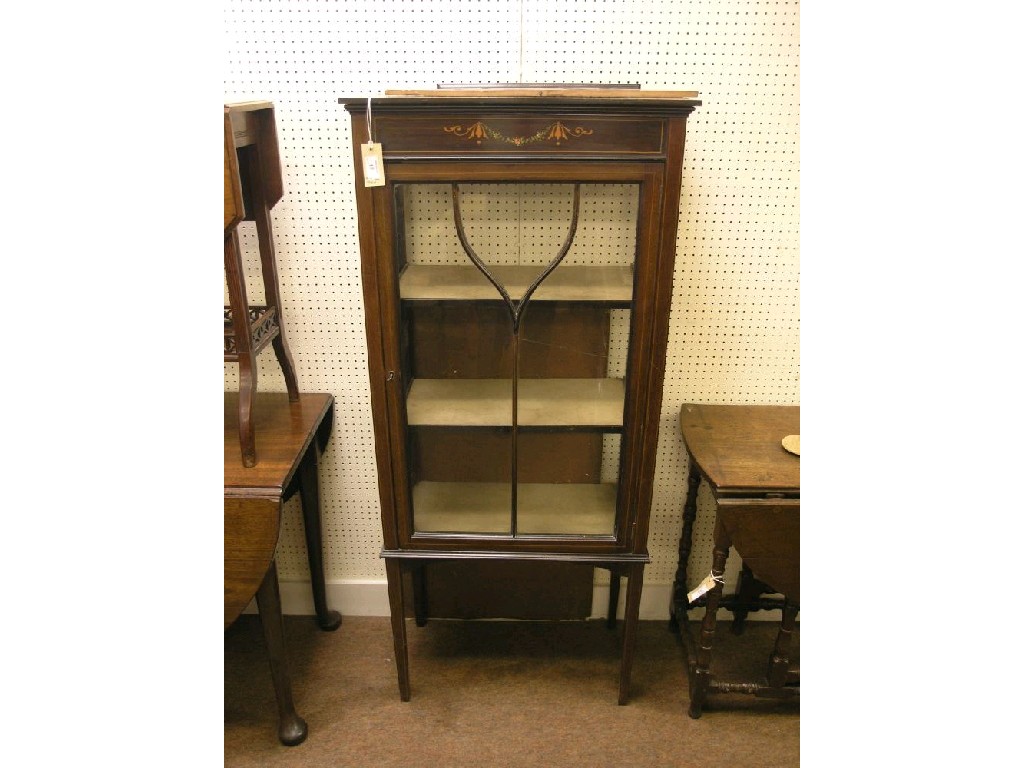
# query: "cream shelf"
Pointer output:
{"type": "Point", "coordinates": [542, 403]}
{"type": "Point", "coordinates": [542, 508]}
{"type": "Point", "coordinates": [566, 283]}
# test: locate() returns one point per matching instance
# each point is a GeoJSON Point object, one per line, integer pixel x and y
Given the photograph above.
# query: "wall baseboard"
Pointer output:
{"type": "Point", "coordinates": [370, 598]}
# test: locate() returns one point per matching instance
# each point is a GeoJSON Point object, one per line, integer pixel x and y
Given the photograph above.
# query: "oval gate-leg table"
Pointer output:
{"type": "Point", "coordinates": [291, 436]}
{"type": "Point", "coordinates": [755, 482]}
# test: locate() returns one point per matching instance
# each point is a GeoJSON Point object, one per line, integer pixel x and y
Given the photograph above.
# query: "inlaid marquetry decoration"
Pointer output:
{"type": "Point", "coordinates": [556, 132]}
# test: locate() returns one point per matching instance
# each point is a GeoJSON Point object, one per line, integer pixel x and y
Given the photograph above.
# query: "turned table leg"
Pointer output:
{"type": "Point", "coordinates": [292, 729]}
{"type": "Point", "coordinates": [778, 664]}
{"type": "Point", "coordinates": [679, 600]}
{"type": "Point", "coordinates": [701, 672]}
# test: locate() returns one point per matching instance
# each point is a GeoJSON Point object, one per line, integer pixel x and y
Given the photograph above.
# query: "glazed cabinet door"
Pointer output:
{"type": "Point", "coordinates": [515, 312]}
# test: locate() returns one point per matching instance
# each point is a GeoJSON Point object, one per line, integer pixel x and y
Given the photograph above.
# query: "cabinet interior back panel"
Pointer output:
{"type": "Point", "coordinates": [734, 326]}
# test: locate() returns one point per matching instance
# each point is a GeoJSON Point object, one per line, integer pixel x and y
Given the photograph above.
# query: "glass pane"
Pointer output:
{"type": "Point", "coordinates": [515, 323]}
{"type": "Point", "coordinates": [461, 481]}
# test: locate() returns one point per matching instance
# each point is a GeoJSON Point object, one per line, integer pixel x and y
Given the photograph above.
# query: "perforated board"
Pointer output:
{"type": "Point", "coordinates": [734, 325]}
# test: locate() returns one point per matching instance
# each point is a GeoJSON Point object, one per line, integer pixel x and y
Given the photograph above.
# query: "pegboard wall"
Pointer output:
{"type": "Point", "coordinates": [734, 326]}
{"type": "Point", "coordinates": [524, 224]}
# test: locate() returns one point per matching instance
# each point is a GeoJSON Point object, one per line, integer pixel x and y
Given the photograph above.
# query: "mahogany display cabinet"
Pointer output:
{"type": "Point", "coordinates": [517, 250]}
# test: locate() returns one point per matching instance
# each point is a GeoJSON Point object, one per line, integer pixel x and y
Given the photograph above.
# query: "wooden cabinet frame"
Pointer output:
{"type": "Point", "coordinates": [615, 137]}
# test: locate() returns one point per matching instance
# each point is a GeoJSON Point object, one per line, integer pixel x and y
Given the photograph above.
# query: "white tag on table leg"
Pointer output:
{"type": "Point", "coordinates": [373, 165]}
{"type": "Point", "coordinates": [704, 586]}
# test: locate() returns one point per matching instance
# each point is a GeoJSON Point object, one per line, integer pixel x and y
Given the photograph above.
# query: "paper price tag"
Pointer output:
{"type": "Point", "coordinates": [700, 589]}
{"type": "Point", "coordinates": [373, 165]}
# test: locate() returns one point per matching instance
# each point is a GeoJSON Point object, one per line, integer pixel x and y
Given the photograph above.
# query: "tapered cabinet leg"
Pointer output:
{"type": "Point", "coordinates": [309, 490]}
{"type": "Point", "coordinates": [634, 587]}
{"type": "Point", "coordinates": [292, 729]}
{"type": "Point", "coordinates": [397, 600]}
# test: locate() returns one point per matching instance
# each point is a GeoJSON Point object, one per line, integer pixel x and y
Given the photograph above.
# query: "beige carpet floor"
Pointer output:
{"type": "Point", "coordinates": [500, 694]}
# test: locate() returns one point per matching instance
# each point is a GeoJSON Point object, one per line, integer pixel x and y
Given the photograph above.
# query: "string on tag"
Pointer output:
{"type": "Point", "coordinates": [369, 122]}
{"type": "Point", "coordinates": [373, 155]}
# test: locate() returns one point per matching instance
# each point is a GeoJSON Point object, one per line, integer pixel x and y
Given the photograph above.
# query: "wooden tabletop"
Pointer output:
{"type": "Point", "coordinates": [284, 431]}
{"type": "Point", "coordinates": [253, 496]}
{"type": "Point", "coordinates": [739, 449]}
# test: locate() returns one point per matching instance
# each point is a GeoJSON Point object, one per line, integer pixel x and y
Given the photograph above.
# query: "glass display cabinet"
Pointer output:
{"type": "Point", "coordinates": [517, 251]}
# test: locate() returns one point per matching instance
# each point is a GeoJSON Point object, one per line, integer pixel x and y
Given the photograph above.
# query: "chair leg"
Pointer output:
{"type": "Point", "coordinates": [243, 347]}
{"type": "Point", "coordinates": [246, 396]}
{"type": "Point", "coordinates": [268, 262]}
{"type": "Point", "coordinates": [284, 359]}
